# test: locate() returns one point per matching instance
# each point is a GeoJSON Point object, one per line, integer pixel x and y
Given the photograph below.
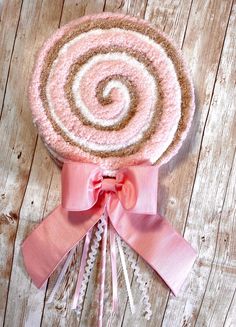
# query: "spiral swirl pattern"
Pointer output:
{"type": "Point", "coordinates": [112, 90]}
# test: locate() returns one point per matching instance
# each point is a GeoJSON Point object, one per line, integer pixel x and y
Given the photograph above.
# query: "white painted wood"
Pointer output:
{"type": "Point", "coordinates": [211, 220]}
{"type": "Point", "coordinates": [201, 205]}
{"type": "Point", "coordinates": [17, 143]}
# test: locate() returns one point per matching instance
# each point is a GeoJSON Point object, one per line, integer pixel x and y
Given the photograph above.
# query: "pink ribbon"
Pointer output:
{"type": "Point", "coordinates": [113, 269]}
{"type": "Point", "coordinates": [81, 270]}
{"type": "Point", "coordinates": [131, 202]}
{"type": "Point", "coordinates": [103, 271]}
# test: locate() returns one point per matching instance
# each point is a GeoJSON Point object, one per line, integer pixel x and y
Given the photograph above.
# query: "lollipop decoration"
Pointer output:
{"type": "Point", "coordinates": [112, 100]}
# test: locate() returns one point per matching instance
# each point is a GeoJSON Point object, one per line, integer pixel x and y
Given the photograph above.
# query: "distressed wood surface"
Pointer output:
{"type": "Point", "coordinates": [197, 189]}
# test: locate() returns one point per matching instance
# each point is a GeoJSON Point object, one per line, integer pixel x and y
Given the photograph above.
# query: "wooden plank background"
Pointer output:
{"type": "Point", "coordinates": [197, 188]}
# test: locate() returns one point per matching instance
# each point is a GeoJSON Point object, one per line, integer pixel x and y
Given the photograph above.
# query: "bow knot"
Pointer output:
{"type": "Point", "coordinates": [108, 185]}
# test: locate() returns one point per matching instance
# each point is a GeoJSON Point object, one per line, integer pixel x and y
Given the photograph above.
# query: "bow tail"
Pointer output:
{"type": "Point", "coordinates": [153, 238]}
{"type": "Point", "coordinates": [51, 241]}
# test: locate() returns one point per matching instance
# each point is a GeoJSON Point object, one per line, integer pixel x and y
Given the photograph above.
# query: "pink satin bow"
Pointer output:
{"type": "Point", "coordinates": [130, 199]}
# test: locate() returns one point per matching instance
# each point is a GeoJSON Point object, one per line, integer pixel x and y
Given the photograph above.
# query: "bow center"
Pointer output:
{"type": "Point", "coordinates": [108, 185]}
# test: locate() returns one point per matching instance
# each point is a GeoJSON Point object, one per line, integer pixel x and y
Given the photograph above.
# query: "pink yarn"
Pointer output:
{"type": "Point", "coordinates": [153, 148]}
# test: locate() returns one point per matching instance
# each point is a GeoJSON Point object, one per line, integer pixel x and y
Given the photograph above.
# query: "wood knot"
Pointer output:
{"type": "Point", "coordinates": [9, 218]}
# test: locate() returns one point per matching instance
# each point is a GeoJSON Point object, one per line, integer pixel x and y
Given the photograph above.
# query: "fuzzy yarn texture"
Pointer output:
{"type": "Point", "coordinates": [112, 90]}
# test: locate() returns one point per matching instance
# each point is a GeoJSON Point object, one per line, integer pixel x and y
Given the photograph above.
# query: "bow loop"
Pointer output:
{"type": "Point", "coordinates": [95, 179]}
{"type": "Point", "coordinates": [80, 188]}
{"type": "Point", "coordinates": [137, 189]}
{"type": "Point", "coordinates": [125, 189]}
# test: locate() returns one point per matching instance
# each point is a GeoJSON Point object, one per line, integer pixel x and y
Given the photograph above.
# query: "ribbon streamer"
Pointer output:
{"type": "Point", "coordinates": [81, 270]}
{"type": "Point", "coordinates": [122, 258]}
{"type": "Point", "coordinates": [61, 299]}
{"type": "Point", "coordinates": [103, 270]}
{"type": "Point", "coordinates": [113, 268]}
{"type": "Point", "coordinates": [141, 282]}
{"type": "Point", "coordinates": [130, 201]}
{"type": "Point", "coordinates": [61, 275]}
{"type": "Point", "coordinates": [89, 266]}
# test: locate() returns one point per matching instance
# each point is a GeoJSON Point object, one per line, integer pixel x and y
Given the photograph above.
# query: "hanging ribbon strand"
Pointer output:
{"type": "Point", "coordinates": [81, 270]}
{"type": "Point", "coordinates": [62, 297]}
{"type": "Point", "coordinates": [127, 282]}
{"type": "Point", "coordinates": [61, 276]}
{"type": "Point", "coordinates": [103, 270]}
{"type": "Point", "coordinates": [112, 234]}
{"type": "Point", "coordinates": [143, 285]}
{"type": "Point", "coordinates": [89, 267]}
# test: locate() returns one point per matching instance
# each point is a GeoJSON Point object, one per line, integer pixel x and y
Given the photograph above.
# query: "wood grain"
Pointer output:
{"type": "Point", "coordinates": [197, 190]}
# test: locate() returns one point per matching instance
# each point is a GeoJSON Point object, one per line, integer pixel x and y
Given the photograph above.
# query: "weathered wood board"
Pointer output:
{"type": "Point", "coordinates": [197, 189]}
